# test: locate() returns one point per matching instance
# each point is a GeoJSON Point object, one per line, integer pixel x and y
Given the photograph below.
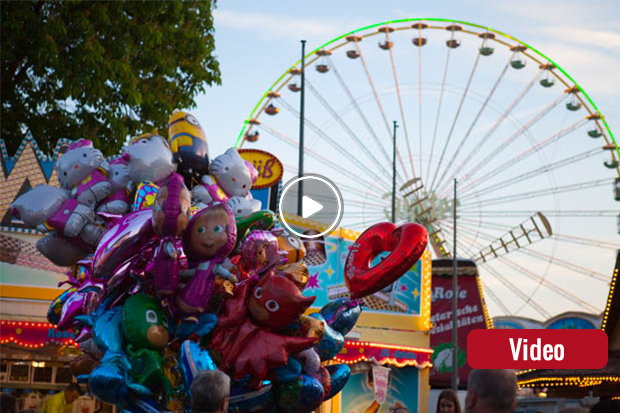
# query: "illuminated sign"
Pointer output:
{"type": "Point", "coordinates": [269, 167]}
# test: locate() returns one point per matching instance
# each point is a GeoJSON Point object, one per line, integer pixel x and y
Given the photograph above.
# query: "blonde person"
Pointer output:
{"type": "Point", "coordinates": [62, 402]}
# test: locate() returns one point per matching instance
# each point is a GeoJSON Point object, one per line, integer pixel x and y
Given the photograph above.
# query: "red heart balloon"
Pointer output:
{"type": "Point", "coordinates": [406, 244]}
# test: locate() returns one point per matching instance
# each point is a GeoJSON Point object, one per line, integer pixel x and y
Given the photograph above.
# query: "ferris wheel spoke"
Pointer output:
{"type": "Point", "coordinates": [565, 264]}
{"type": "Point", "coordinates": [354, 192]}
{"type": "Point", "coordinates": [555, 236]}
{"type": "Point", "coordinates": [472, 236]}
{"type": "Point", "coordinates": [586, 241]}
{"type": "Point", "coordinates": [489, 291]}
{"type": "Point", "coordinates": [361, 214]}
{"type": "Point", "coordinates": [486, 224]}
{"type": "Point", "coordinates": [362, 202]}
{"type": "Point", "coordinates": [454, 121]}
{"type": "Point", "coordinates": [327, 138]}
{"type": "Point", "coordinates": [365, 223]}
{"type": "Point", "coordinates": [474, 122]}
{"type": "Point", "coordinates": [379, 105]}
{"type": "Point", "coordinates": [345, 188]}
{"type": "Point", "coordinates": [550, 285]}
{"type": "Point", "coordinates": [474, 230]}
{"type": "Point", "coordinates": [571, 160]}
{"type": "Point", "coordinates": [326, 162]}
{"type": "Point", "coordinates": [400, 104]}
{"type": "Point", "coordinates": [525, 154]}
{"type": "Point", "coordinates": [438, 113]}
{"type": "Point", "coordinates": [360, 113]}
{"type": "Point", "coordinates": [548, 213]}
{"type": "Point", "coordinates": [476, 239]}
{"type": "Point", "coordinates": [348, 130]}
{"type": "Point", "coordinates": [520, 132]}
{"type": "Point", "coordinates": [420, 100]}
{"type": "Point", "coordinates": [527, 300]}
{"type": "Point", "coordinates": [537, 194]}
{"type": "Point", "coordinates": [496, 125]}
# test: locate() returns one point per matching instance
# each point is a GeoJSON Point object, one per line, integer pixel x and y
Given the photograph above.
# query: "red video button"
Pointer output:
{"type": "Point", "coordinates": [537, 349]}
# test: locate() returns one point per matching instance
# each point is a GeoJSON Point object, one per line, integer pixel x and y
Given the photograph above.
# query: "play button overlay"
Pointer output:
{"type": "Point", "coordinates": [321, 202]}
{"type": "Point", "coordinates": [309, 207]}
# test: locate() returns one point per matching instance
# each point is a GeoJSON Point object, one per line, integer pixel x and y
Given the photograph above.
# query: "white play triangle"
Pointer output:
{"type": "Point", "coordinates": [309, 207]}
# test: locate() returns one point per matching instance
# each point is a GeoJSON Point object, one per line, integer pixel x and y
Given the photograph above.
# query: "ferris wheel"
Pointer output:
{"type": "Point", "coordinates": [536, 166]}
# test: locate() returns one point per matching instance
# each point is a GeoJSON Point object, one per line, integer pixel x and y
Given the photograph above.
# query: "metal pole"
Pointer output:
{"type": "Point", "coordinates": [455, 340]}
{"type": "Point", "coordinates": [300, 194]}
{"type": "Point", "coordinates": [394, 174]}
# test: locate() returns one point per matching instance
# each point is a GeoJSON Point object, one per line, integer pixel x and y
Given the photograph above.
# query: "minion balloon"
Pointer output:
{"type": "Point", "coordinates": [188, 144]}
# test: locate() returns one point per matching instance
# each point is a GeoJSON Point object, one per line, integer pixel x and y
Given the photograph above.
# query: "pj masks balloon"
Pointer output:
{"type": "Point", "coordinates": [146, 331]}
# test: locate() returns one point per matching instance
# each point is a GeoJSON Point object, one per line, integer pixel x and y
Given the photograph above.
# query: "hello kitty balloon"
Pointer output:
{"type": "Point", "coordinates": [84, 171]}
{"type": "Point", "coordinates": [51, 210]}
{"type": "Point", "coordinates": [150, 159]}
{"type": "Point", "coordinates": [122, 186]}
{"type": "Point", "coordinates": [230, 176]}
{"type": "Point", "coordinates": [243, 206]}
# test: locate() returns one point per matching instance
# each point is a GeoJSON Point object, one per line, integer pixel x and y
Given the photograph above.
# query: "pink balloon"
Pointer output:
{"type": "Point", "coordinates": [122, 242]}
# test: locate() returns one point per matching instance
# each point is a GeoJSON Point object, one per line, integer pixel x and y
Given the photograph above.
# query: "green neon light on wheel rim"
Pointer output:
{"type": "Point", "coordinates": [602, 118]}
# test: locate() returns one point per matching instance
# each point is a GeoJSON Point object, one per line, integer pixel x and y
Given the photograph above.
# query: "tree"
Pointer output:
{"type": "Point", "coordinates": [101, 70]}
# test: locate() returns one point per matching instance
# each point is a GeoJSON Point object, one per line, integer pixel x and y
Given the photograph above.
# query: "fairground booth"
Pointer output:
{"type": "Point", "coordinates": [603, 383]}
{"type": "Point", "coordinates": [35, 356]}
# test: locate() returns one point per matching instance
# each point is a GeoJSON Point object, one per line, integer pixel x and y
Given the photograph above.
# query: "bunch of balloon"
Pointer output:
{"type": "Point", "coordinates": [174, 268]}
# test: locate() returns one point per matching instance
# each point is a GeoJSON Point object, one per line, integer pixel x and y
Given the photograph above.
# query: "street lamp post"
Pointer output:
{"type": "Point", "coordinates": [301, 129]}
{"type": "Point", "coordinates": [394, 173]}
{"type": "Point", "coordinates": [455, 339]}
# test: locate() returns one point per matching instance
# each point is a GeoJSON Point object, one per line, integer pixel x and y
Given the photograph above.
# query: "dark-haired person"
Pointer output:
{"type": "Point", "coordinates": [448, 402]}
{"type": "Point", "coordinates": [62, 402]}
{"type": "Point", "coordinates": [606, 406]}
{"type": "Point", "coordinates": [8, 404]}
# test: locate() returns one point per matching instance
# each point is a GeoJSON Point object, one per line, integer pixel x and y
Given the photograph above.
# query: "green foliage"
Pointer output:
{"type": "Point", "coordinates": [101, 70]}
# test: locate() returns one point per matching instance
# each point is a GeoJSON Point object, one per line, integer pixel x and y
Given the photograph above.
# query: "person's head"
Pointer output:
{"type": "Point", "coordinates": [448, 402]}
{"type": "Point", "coordinates": [491, 391]}
{"type": "Point", "coordinates": [72, 392]}
{"type": "Point", "coordinates": [606, 406]}
{"type": "Point", "coordinates": [8, 403]}
{"type": "Point", "coordinates": [210, 390]}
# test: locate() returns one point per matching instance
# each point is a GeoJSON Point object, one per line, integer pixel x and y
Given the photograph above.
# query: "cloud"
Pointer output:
{"type": "Point", "coordinates": [607, 40]}
{"type": "Point", "coordinates": [276, 27]}
{"type": "Point", "coordinates": [559, 12]}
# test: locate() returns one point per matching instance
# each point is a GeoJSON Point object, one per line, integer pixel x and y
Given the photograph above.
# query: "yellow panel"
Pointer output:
{"type": "Point", "coordinates": [30, 293]}
{"type": "Point", "coordinates": [424, 390]}
{"type": "Point", "coordinates": [390, 321]}
{"type": "Point", "coordinates": [344, 233]}
{"type": "Point", "coordinates": [402, 338]}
